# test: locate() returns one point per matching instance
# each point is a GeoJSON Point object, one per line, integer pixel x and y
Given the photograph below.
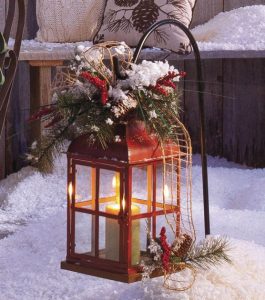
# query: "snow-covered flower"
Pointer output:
{"type": "Point", "coordinates": [95, 128]}
{"type": "Point", "coordinates": [155, 249]}
{"type": "Point", "coordinates": [177, 242]}
{"type": "Point", "coordinates": [109, 121]}
{"type": "Point", "coordinates": [147, 73]}
{"type": "Point", "coordinates": [79, 49]}
{"type": "Point", "coordinates": [152, 114]}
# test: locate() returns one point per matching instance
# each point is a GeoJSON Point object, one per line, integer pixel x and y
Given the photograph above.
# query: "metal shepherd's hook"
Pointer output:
{"type": "Point", "coordinates": [200, 86]}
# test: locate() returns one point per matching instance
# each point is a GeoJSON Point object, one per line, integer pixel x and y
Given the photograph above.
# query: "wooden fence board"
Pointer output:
{"type": "Point", "coordinates": [244, 122]}
{"type": "Point", "coordinates": [212, 75]}
{"type": "Point", "coordinates": [205, 10]}
{"type": "Point", "coordinates": [31, 26]}
{"type": "Point", "coordinates": [2, 14]}
{"type": "Point", "coordinates": [16, 131]}
{"type": "Point", "coordinates": [232, 4]}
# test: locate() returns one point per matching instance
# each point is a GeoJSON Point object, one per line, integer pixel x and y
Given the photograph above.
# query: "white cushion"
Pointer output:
{"type": "Point", "coordinates": [68, 20]}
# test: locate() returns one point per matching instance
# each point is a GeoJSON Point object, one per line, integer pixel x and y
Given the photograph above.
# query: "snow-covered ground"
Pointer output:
{"type": "Point", "coordinates": [33, 209]}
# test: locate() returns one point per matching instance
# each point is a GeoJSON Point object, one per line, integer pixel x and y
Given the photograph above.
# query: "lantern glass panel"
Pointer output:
{"type": "Point", "coordinates": [83, 186]}
{"type": "Point", "coordinates": [141, 188]}
{"type": "Point", "coordinates": [170, 221]}
{"type": "Point", "coordinates": [109, 191]}
{"type": "Point", "coordinates": [139, 239]}
{"type": "Point", "coordinates": [83, 233]}
{"type": "Point", "coordinates": [109, 238]}
{"type": "Point", "coordinates": [166, 188]}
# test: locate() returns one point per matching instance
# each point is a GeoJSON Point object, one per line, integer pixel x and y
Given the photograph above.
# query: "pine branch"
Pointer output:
{"type": "Point", "coordinates": [210, 252]}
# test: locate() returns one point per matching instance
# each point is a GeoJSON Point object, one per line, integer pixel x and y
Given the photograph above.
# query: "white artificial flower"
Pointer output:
{"type": "Point", "coordinates": [54, 98]}
{"type": "Point", "coordinates": [29, 156]}
{"type": "Point", "coordinates": [77, 57]}
{"type": "Point", "coordinates": [78, 83]}
{"type": "Point", "coordinates": [118, 111]}
{"type": "Point", "coordinates": [95, 128]}
{"type": "Point", "coordinates": [109, 121]}
{"type": "Point", "coordinates": [129, 102]}
{"type": "Point", "coordinates": [117, 139]}
{"type": "Point", "coordinates": [152, 114]}
{"type": "Point", "coordinates": [34, 145]}
{"type": "Point", "coordinates": [117, 94]}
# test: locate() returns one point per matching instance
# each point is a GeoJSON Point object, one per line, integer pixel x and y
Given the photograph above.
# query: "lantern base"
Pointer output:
{"type": "Point", "coordinates": [127, 278]}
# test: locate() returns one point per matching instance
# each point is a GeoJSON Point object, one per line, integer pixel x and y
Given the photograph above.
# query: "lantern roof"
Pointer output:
{"type": "Point", "coordinates": [133, 145]}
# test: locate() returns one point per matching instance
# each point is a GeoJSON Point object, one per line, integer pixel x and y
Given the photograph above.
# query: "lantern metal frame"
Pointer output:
{"type": "Point", "coordinates": [92, 263]}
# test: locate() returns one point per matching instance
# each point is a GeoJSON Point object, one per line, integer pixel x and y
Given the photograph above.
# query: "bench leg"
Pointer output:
{"type": "Point", "coordinates": [40, 88]}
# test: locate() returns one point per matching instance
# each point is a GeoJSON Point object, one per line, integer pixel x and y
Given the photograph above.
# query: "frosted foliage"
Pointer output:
{"type": "Point", "coordinates": [147, 73]}
{"type": "Point", "coordinates": [33, 208]}
{"type": "Point", "coordinates": [238, 29]}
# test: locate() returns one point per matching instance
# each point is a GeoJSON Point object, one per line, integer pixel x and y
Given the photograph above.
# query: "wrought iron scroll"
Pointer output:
{"type": "Point", "coordinates": [200, 87]}
{"type": "Point", "coordinates": [9, 58]}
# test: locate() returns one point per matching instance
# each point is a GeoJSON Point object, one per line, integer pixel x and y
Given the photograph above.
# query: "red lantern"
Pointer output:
{"type": "Point", "coordinates": [107, 220]}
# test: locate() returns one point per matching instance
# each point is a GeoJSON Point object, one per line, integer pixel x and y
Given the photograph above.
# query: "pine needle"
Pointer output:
{"type": "Point", "coordinates": [210, 252]}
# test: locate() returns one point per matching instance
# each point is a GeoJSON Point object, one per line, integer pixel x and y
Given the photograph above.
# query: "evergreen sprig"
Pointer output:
{"type": "Point", "coordinates": [210, 252]}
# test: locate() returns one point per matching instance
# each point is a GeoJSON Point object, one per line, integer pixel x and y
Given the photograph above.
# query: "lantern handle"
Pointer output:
{"type": "Point", "coordinates": [200, 86]}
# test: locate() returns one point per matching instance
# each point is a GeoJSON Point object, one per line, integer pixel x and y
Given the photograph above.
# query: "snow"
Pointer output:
{"type": "Point", "coordinates": [34, 44]}
{"type": "Point", "coordinates": [239, 29]}
{"type": "Point", "coordinates": [33, 219]}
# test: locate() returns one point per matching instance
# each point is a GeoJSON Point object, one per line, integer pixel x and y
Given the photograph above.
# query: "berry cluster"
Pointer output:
{"type": "Point", "coordinates": [99, 83]}
{"type": "Point", "coordinates": [165, 256]}
{"type": "Point", "coordinates": [42, 113]}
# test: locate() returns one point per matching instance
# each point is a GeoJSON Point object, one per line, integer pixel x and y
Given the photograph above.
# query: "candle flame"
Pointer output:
{"type": "Point", "coordinates": [114, 183]}
{"type": "Point", "coordinates": [70, 190]}
{"type": "Point", "coordinates": [166, 191]}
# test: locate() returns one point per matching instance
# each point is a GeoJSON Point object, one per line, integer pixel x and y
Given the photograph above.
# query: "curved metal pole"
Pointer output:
{"type": "Point", "coordinates": [13, 57]}
{"type": "Point", "coordinates": [200, 86]}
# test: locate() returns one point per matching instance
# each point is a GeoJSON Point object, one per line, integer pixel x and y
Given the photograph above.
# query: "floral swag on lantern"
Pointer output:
{"type": "Point", "coordinates": [100, 92]}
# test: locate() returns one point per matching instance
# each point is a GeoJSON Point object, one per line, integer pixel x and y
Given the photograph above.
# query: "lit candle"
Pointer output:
{"type": "Point", "coordinates": [113, 234]}
{"type": "Point", "coordinates": [113, 228]}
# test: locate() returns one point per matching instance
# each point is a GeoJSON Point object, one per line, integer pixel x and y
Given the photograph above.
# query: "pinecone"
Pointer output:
{"type": "Point", "coordinates": [144, 15]}
{"type": "Point", "coordinates": [126, 3]}
{"type": "Point", "coordinates": [184, 246]}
